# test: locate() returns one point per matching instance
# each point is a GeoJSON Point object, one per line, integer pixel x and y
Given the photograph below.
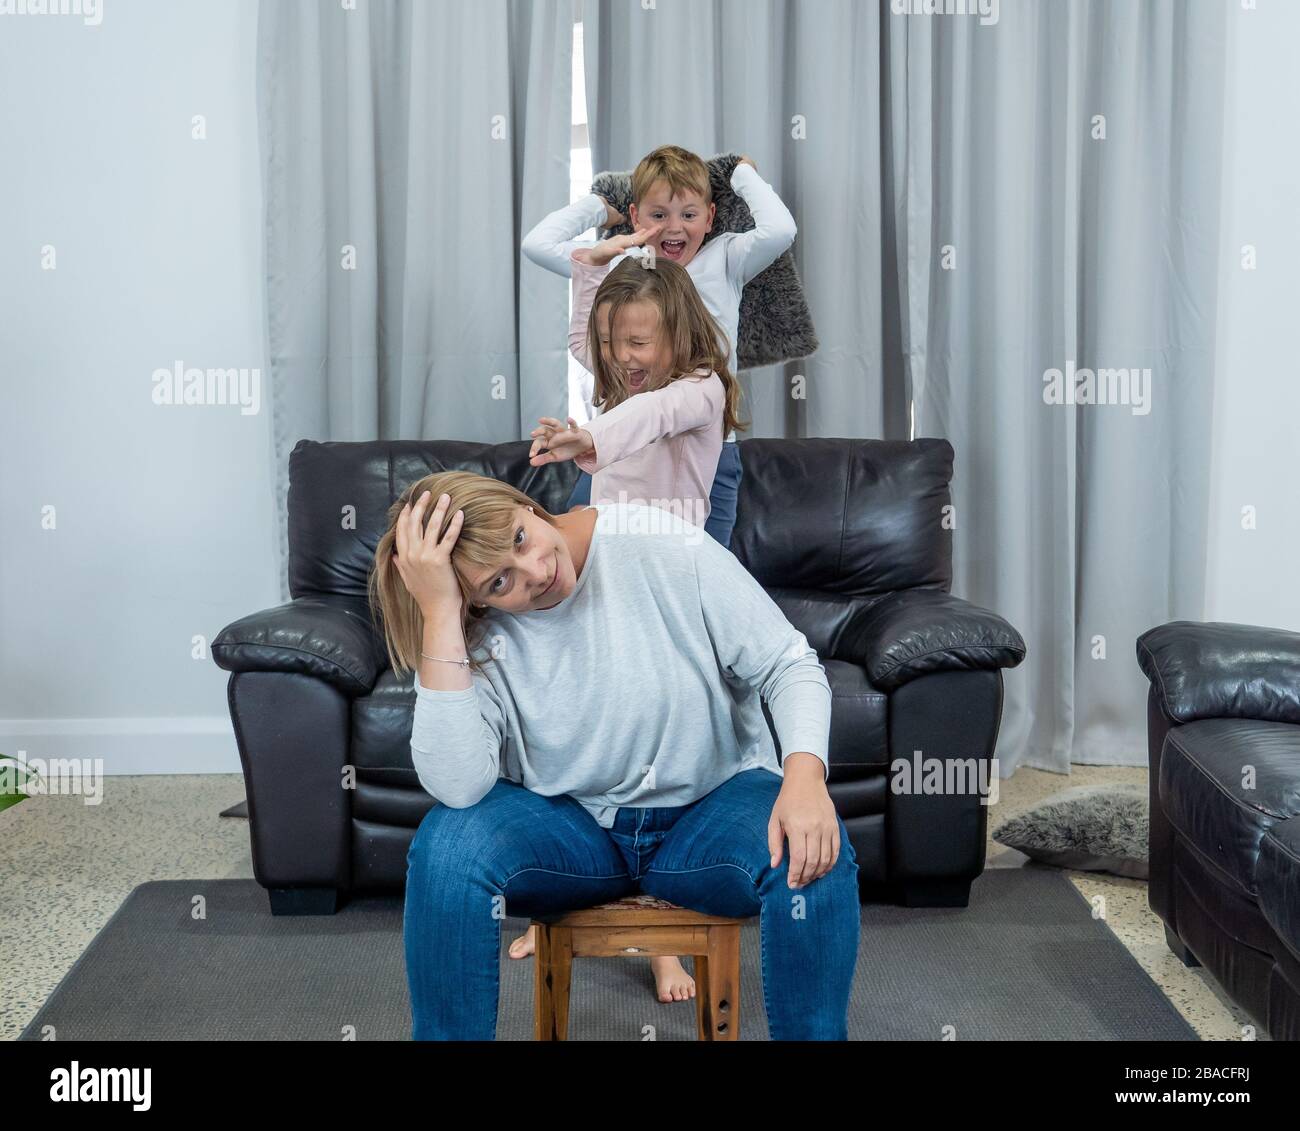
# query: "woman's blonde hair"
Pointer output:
{"type": "Point", "coordinates": [486, 539]}
{"type": "Point", "coordinates": [695, 338]}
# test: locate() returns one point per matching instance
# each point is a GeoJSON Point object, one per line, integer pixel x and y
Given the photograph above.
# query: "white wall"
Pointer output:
{"type": "Point", "coordinates": [165, 528]}
{"type": "Point", "coordinates": [1252, 576]}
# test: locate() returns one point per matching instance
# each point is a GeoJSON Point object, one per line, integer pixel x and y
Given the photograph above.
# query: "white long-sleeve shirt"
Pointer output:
{"type": "Point", "coordinates": [720, 269]}
{"type": "Point", "coordinates": [644, 687]}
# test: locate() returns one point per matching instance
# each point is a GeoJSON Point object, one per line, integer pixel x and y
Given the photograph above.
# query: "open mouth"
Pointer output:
{"type": "Point", "coordinates": [636, 378]}
{"type": "Point", "coordinates": [673, 249]}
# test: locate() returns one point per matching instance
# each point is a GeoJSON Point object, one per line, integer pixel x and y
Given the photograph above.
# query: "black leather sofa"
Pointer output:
{"type": "Point", "coordinates": [848, 537]}
{"type": "Point", "coordinates": [1223, 724]}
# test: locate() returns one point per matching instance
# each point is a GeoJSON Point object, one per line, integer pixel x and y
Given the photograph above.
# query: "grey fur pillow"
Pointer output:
{"type": "Point", "coordinates": [775, 323]}
{"type": "Point", "coordinates": [1093, 828]}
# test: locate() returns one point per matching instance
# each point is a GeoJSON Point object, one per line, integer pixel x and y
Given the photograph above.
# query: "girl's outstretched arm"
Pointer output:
{"type": "Point", "coordinates": [690, 402]}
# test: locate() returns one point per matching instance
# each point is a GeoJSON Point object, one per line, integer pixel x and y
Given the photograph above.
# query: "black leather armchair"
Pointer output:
{"type": "Point", "coordinates": [848, 538]}
{"type": "Point", "coordinates": [1223, 732]}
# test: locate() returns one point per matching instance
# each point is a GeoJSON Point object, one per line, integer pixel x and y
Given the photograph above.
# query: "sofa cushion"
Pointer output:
{"type": "Point", "coordinates": [859, 738]}
{"type": "Point", "coordinates": [1225, 783]}
{"type": "Point", "coordinates": [1089, 828]}
{"type": "Point", "coordinates": [1279, 880]}
{"type": "Point", "coordinates": [1217, 670]}
{"type": "Point", "coordinates": [381, 732]}
{"type": "Point", "coordinates": [849, 517]}
{"type": "Point", "coordinates": [821, 617]}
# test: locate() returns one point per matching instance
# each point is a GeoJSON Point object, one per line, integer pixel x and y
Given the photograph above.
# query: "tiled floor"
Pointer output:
{"type": "Point", "coordinates": [1193, 992]}
{"type": "Point", "coordinates": [67, 867]}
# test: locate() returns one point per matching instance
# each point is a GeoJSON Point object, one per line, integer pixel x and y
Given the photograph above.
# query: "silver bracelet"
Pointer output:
{"type": "Point", "coordinates": [463, 663]}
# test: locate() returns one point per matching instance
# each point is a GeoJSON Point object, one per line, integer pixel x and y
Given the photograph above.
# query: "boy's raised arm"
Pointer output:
{"type": "Point", "coordinates": [774, 230]}
{"type": "Point", "coordinates": [553, 239]}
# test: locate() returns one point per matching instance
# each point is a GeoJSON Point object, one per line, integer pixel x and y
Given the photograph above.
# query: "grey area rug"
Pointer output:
{"type": "Point", "coordinates": [1025, 962]}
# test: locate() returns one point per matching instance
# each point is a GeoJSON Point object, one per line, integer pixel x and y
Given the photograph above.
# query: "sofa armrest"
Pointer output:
{"type": "Point", "coordinates": [333, 639]}
{"type": "Point", "coordinates": [1214, 670]}
{"type": "Point", "coordinates": [918, 631]}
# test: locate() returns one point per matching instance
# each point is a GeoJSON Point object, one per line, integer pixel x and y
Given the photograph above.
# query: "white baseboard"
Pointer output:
{"type": "Point", "coordinates": [193, 745]}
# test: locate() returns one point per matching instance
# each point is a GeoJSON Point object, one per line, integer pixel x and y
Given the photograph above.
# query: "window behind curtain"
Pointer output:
{"type": "Point", "coordinates": [581, 383]}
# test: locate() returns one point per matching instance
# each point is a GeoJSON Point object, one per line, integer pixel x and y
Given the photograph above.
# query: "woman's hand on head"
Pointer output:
{"type": "Point", "coordinates": [554, 442]}
{"type": "Point", "coordinates": [805, 815]}
{"type": "Point", "coordinates": [424, 561]}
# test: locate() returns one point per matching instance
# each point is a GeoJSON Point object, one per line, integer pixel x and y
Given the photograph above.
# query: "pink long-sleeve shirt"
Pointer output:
{"type": "Point", "coordinates": [660, 448]}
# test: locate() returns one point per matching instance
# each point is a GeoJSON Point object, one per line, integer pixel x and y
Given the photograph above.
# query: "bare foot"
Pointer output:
{"type": "Point", "coordinates": [525, 944]}
{"type": "Point", "coordinates": [672, 983]}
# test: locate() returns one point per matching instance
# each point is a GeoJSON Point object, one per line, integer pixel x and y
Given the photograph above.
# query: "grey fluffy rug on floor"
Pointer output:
{"type": "Point", "coordinates": [775, 322]}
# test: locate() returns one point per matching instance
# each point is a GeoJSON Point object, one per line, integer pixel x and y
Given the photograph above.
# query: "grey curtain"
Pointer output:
{"type": "Point", "coordinates": [964, 228]}
{"type": "Point", "coordinates": [1084, 524]}
{"type": "Point", "coordinates": [796, 86]}
{"type": "Point", "coordinates": [406, 146]}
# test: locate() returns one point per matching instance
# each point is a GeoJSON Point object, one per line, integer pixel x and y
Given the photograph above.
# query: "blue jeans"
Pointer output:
{"type": "Point", "coordinates": [722, 495]}
{"type": "Point", "coordinates": [519, 853]}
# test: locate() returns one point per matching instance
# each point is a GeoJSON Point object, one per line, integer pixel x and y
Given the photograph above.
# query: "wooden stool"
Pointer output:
{"type": "Point", "coordinates": [639, 926]}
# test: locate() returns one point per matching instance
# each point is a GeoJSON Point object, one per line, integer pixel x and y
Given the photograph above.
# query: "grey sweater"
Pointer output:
{"type": "Point", "coordinates": [641, 688]}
